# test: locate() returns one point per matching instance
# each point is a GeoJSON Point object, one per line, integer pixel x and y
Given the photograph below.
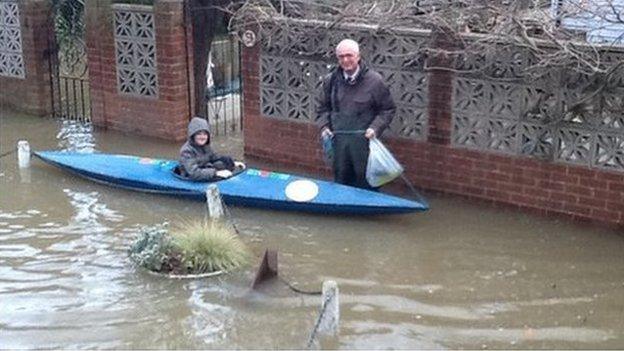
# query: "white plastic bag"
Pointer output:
{"type": "Point", "coordinates": [382, 167]}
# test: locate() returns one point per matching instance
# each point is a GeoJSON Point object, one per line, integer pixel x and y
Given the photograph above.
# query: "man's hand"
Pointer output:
{"type": "Point", "coordinates": [239, 165]}
{"type": "Point", "coordinates": [370, 133]}
{"type": "Point", "coordinates": [326, 132]}
{"type": "Point", "coordinates": [224, 173]}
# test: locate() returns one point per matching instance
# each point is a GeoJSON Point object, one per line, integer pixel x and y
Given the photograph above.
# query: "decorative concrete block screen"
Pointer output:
{"type": "Point", "coordinates": [497, 110]}
{"type": "Point", "coordinates": [135, 50]}
{"type": "Point", "coordinates": [11, 59]}
{"type": "Point", "coordinates": [296, 58]}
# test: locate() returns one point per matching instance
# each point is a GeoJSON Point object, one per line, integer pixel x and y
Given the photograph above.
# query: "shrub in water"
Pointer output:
{"type": "Point", "coordinates": [209, 246]}
{"type": "Point", "coordinates": [152, 248]}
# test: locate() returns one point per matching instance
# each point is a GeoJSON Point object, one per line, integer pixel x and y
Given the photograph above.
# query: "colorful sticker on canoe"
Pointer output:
{"type": "Point", "coordinates": [267, 174]}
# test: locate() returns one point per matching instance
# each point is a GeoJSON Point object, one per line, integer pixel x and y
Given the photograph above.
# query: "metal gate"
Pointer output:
{"type": "Point", "coordinates": [69, 77]}
{"type": "Point", "coordinates": [223, 86]}
{"type": "Point", "coordinates": [70, 98]}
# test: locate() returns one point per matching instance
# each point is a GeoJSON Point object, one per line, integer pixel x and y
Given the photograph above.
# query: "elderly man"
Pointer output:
{"type": "Point", "coordinates": [354, 106]}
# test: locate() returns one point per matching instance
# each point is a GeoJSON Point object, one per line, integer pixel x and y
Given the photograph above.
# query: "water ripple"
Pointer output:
{"type": "Point", "coordinates": [19, 250]}
{"type": "Point", "coordinates": [408, 335]}
{"type": "Point", "coordinates": [76, 136]}
{"type": "Point", "coordinates": [209, 320]}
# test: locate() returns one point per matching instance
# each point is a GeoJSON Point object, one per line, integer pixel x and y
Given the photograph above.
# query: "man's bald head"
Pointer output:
{"type": "Point", "coordinates": [348, 54]}
{"type": "Point", "coordinates": [348, 45]}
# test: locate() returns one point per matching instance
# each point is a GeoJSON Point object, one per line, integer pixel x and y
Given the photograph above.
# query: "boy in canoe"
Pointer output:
{"type": "Point", "coordinates": [198, 161]}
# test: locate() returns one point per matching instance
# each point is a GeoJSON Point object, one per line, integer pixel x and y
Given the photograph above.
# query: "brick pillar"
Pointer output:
{"type": "Point", "coordinates": [250, 70]}
{"type": "Point", "coordinates": [32, 93]}
{"type": "Point", "coordinates": [165, 115]}
{"type": "Point", "coordinates": [440, 94]}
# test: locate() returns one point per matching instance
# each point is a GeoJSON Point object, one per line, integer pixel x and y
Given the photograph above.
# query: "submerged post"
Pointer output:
{"type": "Point", "coordinates": [23, 154]}
{"type": "Point", "coordinates": [328, 320]}
{"type": "Point", "coordinates": [331, 310]}
{"type": "Point", "coordinates": [213, 199]}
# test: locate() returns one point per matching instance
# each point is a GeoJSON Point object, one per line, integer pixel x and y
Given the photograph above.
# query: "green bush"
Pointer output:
{"type": "Point", "coordinates": [152, 248]}
{"type": "Point", "coordinates": [209, 246]}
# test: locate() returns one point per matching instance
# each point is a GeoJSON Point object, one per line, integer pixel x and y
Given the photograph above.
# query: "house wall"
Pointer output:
{"type": "Point", "coordinates": [25, 69]}
{"type": "Point", "coordinates": [479, 138]}
{"type": "Point", "coordinates": [151, 95]}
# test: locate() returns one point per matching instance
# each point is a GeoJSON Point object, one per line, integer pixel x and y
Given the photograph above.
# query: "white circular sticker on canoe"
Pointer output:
{"type": "Point", "coordinates": [302, 190]}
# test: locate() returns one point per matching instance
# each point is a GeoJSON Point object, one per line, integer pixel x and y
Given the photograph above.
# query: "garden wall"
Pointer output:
{"type": "Point", "coordinates": [24, 48]}
{"type": "Point", "coordinates": [493, 136]}
{"type": "Point", "coordinates": [139, 67]}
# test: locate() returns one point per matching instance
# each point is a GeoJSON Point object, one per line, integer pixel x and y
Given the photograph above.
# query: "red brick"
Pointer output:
{"type": "Point", "coordinates": [592, 202]}
{"type": "Point", "coordinates": [510, 187]}
{"type": "Point", "coordinates": [582, 172]}
{"type": "Point", "coordinates": [616, 186]}
{"type": "Point", "coordinates": [550, 204]}
{"type": "Point", "coordinates": [563, 197]}
{"type": "Point", "coordinates": [519, 179]}
{"type": "Point", "coordinates": [458, 178]}
{"type": "Point", "coordinates": [593, 183]}
{"type": "Point", "coordinates": [521, 199]}
{"type": "Point", "coordinates": [554, 186]}
{"type": "Point", "coordinates": [578, 190]}
{"type": "Point", "coordinates": [510, 169]}
{"type": "Point", "coordinates": [577, 209]}
{"type": "Point", "coordinates": [497, 195]}
{"type": "Point", "coordinates": [615, 206]}
{"type": "Point", "coordinates": [501, 177]}
{"type": "Point", "coordinates": [537, 192]}
{"type": "Point", "coordinates": [605, 216]}
{"type": "Point", "coordinates": [568, 179]}
{"type": "Point", "coordinates": [609, 195]}
{"type": "Point", "coordinates": [611, 177]}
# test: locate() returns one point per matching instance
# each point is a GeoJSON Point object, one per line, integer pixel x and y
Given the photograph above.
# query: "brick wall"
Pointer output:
{"type": "Point", "coordinates": [521, 182]}
{"type": "Point", "coordinates": [31, 95]}
{"type": "Point", "coordinates": [290, 143]}
{"type": "Point", "coordinates": [165, 116]}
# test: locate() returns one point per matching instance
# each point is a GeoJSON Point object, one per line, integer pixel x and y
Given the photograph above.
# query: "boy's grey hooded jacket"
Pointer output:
{"type": "Point", "coordinates": [199, 162]}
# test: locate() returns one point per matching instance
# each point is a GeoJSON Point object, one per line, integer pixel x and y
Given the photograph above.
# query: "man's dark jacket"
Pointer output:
{"type": "Point", "coordinates": [365, 103]}
{"type": "Point", "coordinates": [354, 107]}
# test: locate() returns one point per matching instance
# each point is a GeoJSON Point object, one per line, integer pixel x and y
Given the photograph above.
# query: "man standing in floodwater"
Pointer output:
{"type": "Point", "coordinates": [354, 106]}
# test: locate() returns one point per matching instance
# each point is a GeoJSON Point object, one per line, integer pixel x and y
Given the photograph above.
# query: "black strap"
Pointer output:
{"type": "Point", "coordinates": [411, 187]}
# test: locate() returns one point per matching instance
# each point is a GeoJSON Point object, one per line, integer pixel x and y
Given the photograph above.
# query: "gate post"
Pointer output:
{"type": "Point", "coordinates": [139, 78]}
{"type": "Point", "coordinates": [25, 74]}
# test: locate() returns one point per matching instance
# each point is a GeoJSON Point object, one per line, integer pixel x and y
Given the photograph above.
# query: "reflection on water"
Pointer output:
{"type": "Point", "coordinates": [411, 335]}
{"type": "Point", "coordinates": [76, 136]}
{"type": "Point", "coordinates": [25, 175]}
{"type": "Point", "coordinates": [90, 213]}
{"type": "Point", "coordinates": [460, 276]}
{"type": "Point", "coordinates": [209, 318]}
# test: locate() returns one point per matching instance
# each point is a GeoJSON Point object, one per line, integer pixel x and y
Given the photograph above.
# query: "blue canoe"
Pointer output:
{"type": "Point", "coordinates": [251, 187]}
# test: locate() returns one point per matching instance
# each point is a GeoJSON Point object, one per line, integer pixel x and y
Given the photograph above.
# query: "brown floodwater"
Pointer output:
{"type": "Point", "coordinates": [462, 275]}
